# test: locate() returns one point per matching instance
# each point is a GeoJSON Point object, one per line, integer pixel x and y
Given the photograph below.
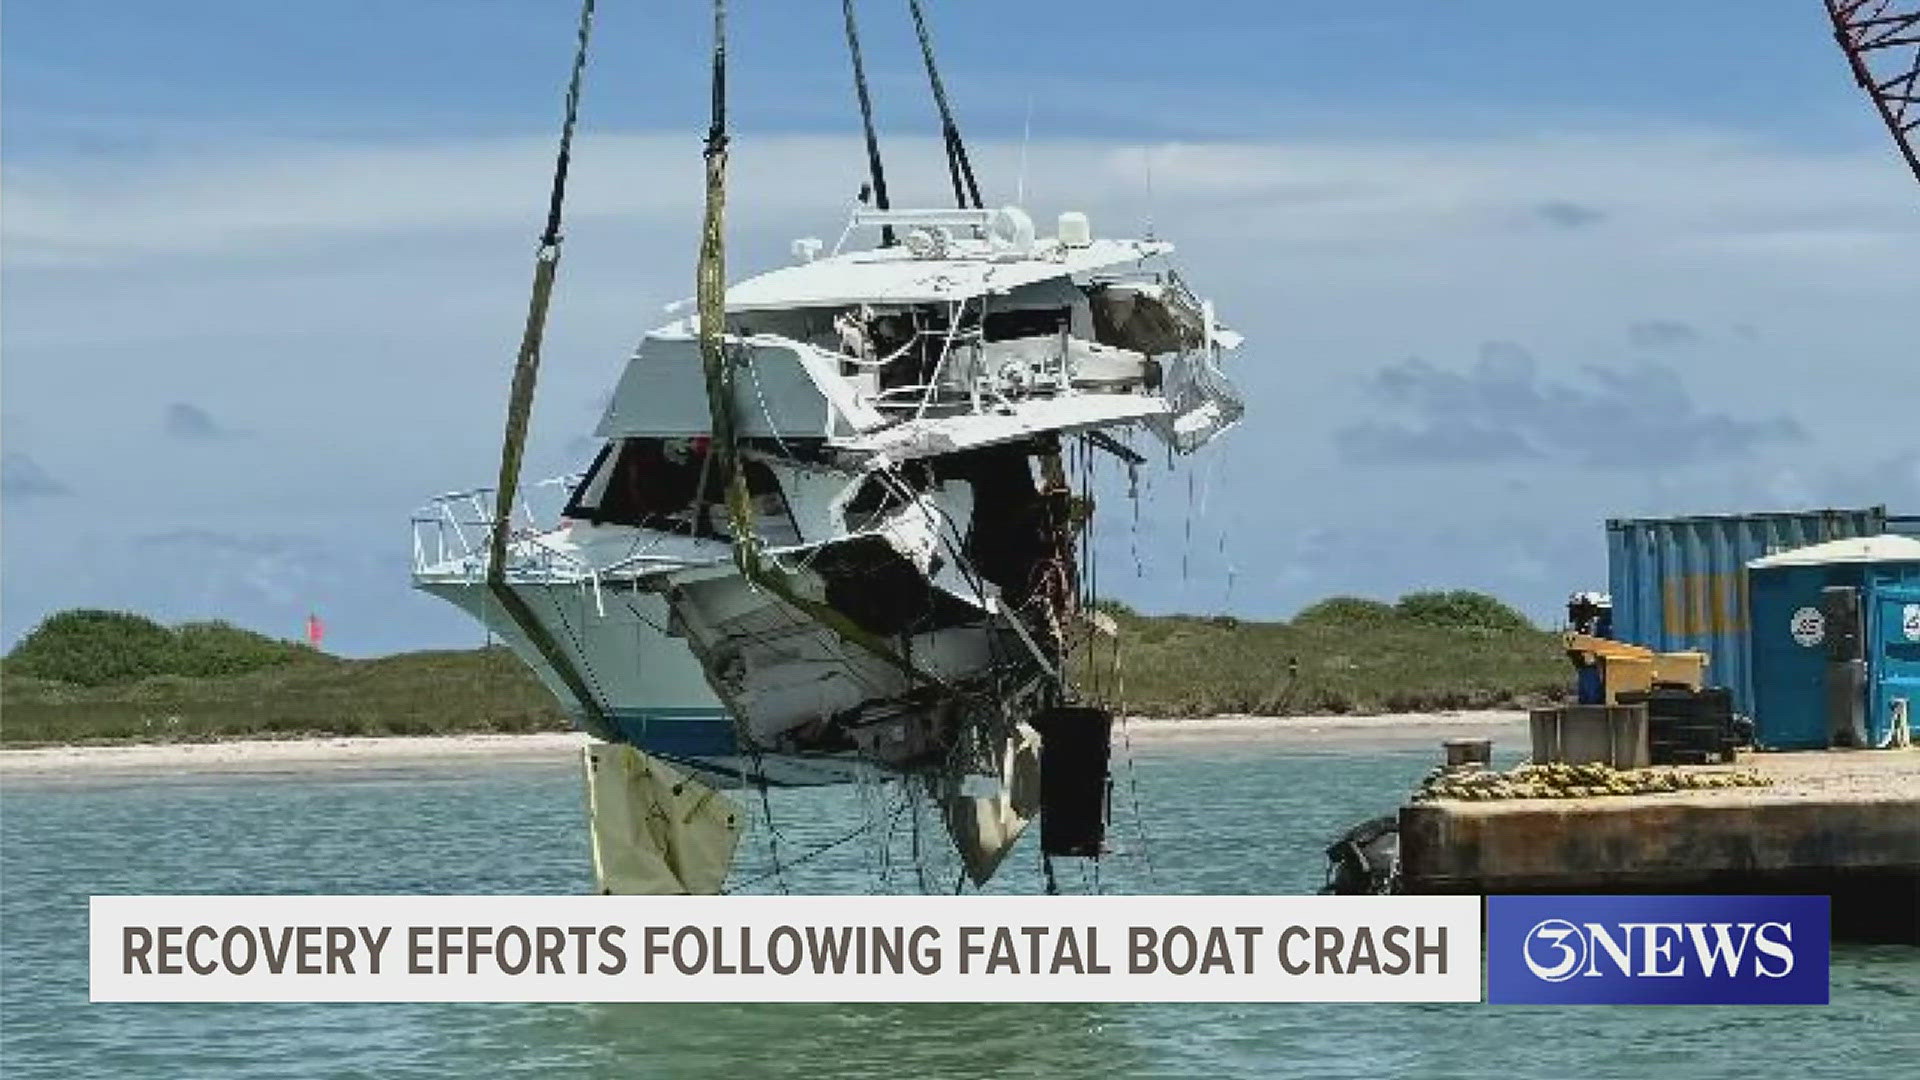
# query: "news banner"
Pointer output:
{"type": "Point", "coordinates": [1537, 949]}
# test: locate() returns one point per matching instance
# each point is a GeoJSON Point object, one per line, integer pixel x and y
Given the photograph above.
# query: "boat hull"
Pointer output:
{"type": "Point", "coordinates": [650, 688]}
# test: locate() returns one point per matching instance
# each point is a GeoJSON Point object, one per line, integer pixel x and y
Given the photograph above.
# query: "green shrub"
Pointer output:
{"type": "Point", "coordinates": [1461, 608]}
{"type": "Point", "coordinates": [1346, 611]}
{"type": "Point", "coordinates": [106, 648]}
{"type": "Point", "coordinates": [95, 648]}
{"type": "Point", "coordinates": [219, 648]}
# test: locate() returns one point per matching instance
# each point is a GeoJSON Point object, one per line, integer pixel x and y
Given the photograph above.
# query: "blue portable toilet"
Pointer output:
{"type": "Point", "coordinates": [1834, 643]}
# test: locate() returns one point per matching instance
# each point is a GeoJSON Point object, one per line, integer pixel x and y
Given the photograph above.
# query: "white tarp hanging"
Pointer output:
{"type": "Point", "coordinates": [655, 830]}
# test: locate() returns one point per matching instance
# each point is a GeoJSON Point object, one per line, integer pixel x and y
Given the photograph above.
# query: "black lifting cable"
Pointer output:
{"type": "Point", "coordinates": [877, 174]}
{"type": "Point", "coordinates": [958, 167]}
{"type": "Point", "coordinates": [526, 371]}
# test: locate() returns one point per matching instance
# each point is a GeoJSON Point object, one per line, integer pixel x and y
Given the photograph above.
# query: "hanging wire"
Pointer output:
{"type": "Point", "coordinates": [1186, 544]}
{"type": "Point", "coordinates": [773, 827]}
{"type": "Point", "coordinates": [1132, 467]}
{"type": "Point", "coordinates": [1227, 519]}
{"type": "Point", "coordinates": [812, 853]}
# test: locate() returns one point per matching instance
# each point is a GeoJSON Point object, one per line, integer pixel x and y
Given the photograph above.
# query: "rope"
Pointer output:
{"type": "Point", "coordinates": [710, 275]}
{"type": "Point", "coordinates": [959, 169]}
{"type": "Point", "coordinates": [526, 371]}
{"type": "Point", "coordinates": [1563, 781]}
{"type": "Point", "coordinates": [874, 169]}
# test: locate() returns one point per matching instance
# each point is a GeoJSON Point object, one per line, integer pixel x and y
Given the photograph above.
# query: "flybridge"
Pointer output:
{"type": "Point", "coordinates": [942, 256]}
{"type": "Point", "coordinates": [969, 332]}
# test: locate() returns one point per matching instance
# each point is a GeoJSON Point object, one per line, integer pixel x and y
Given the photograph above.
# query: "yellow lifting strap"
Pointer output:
{"type": "Point", "coordinates": [526, 372]}
{"type": "Point", "coordinates": [710, 292]}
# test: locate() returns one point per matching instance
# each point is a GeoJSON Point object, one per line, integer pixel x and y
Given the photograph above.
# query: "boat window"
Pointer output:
{"type": "Point", "coordinates": [593, 485]}
{"type": "Point", "coordinates": [1145, 317]}
{"type": "Point", "coordinates": [1018, 537]}
{"type": "Point", "coordinates": [881, 495]}
{"type": "Point", "coordinates": [1023, 323]}
{"type": "Point", "coordinates": [658, 484]}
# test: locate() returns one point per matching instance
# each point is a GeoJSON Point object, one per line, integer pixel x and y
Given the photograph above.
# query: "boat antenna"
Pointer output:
{"type": "Point", "coordinates": [1026, 134]}
{"type": "Point", "coordinates": [876, 174]}
{"type": "Point", "coordinates": [1148, 156]}
{"type": "Point", "coordinates": [958, 167]}
{"type": "Point", "coordinates": [526, 372]}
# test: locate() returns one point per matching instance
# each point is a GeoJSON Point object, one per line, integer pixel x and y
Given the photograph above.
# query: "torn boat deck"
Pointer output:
{"type": "Point", "coordinates": [1841, 822]}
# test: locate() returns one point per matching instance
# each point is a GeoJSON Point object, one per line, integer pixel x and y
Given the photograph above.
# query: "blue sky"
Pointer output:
{"type": "Point", "coordinates": [1505, 270]}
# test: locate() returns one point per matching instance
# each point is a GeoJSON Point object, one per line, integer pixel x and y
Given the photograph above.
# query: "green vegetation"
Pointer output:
{"type": "Point", "coordinates": [1349, 611]}
{"type": "Point", "coordinates": [1431, 651]}
{"type": "Point", "coordinates": [103, 648]}
{"type": "Point", "coordinates": [108, 676]}
{"type": "Point", "coordinates": [94, 676]}
{"type": "Point", "coordinates": [1461, 608]}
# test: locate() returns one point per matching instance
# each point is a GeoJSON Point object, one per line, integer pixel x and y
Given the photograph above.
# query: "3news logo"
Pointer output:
{"type": "Point", "coordinates": [1657, 950]}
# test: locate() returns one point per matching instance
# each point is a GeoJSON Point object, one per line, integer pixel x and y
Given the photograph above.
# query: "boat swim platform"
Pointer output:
{"type": "Point", "coordinates": [1845, 823]}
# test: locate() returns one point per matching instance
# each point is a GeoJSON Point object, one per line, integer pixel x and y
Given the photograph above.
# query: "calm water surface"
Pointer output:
{"type": "Point", "coordinates": [1225, 819]}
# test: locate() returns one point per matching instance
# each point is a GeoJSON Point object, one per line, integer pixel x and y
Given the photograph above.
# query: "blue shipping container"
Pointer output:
{"type": "Point", "coordinates": [1789, 644]}
{"type": "Point", "coordinates": [1681, 583]}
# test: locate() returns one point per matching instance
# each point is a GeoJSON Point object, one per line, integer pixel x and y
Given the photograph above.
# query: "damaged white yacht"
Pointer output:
{"type": "Point", "coordinates": [909, 594]}
{"type": "Point", "coordinates": [836, 530]}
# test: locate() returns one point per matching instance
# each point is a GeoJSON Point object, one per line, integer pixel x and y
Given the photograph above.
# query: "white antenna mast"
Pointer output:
{"type": "Point", "coordinates": [1148, 155]}
{"type": "Point", "coordinates": [1026, 133]}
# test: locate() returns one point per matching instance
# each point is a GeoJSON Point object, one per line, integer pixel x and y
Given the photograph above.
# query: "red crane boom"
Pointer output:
{"type": "Point", "coordinates": [1882, 41]}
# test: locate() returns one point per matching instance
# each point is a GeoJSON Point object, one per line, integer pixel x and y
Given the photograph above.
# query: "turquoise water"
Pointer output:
{"type": "Point", "coordinates": [1227, 819]}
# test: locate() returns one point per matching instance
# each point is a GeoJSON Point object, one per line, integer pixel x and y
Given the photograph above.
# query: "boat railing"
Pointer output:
{"type": "Point", "coordinates": [452, 534]}
{"type": "Point", "coordinates": [1000, 233]}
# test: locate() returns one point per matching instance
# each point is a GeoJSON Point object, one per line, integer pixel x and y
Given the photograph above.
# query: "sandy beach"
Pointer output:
{"type": "Point", "coordinates": [1334, 733]}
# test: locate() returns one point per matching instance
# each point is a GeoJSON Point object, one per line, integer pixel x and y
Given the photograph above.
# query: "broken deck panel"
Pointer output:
{"type": "Point", "coordinates": [1844, 823]}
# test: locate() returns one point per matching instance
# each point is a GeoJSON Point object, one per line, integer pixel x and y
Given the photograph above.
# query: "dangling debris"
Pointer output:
{"type": "Point", "coordinates": [989, 812]}
{"type": "Point", "coordinates": [1074, 780]}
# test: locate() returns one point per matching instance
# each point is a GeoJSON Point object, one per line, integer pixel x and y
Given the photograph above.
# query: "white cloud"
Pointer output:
{"type": "Point", "coordinates": [1694, 187]}
{"type": "Point", "coordinates": [355, 304]}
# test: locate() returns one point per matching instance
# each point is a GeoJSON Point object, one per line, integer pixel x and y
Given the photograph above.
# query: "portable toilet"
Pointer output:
{"type": "Point", "coordinates": [1834, 642]}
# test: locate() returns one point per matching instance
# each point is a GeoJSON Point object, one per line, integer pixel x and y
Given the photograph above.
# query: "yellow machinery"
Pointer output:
{"type": "Point", "coordinates": [1629, 669]}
